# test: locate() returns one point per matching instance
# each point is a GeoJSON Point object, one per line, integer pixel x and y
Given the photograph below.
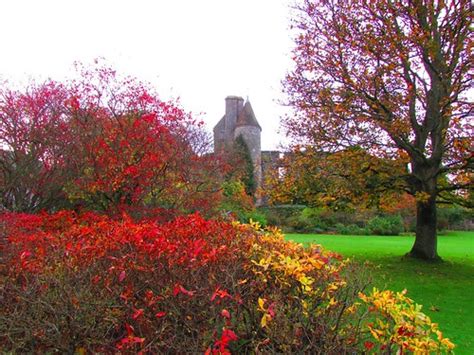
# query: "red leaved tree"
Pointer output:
{"type": "Point", "coordinates": [392, 77]}
{"type": "Point", "coordinates": [106, 143]}
{"type": "Point", "coordinates": [34, 137]}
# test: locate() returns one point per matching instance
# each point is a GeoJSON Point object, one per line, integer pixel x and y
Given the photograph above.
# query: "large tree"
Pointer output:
{"type": "Point", "coordinates": [395, 78]}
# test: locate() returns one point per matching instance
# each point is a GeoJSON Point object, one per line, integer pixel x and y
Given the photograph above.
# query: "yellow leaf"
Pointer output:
{"type": "Point", "coordinates": [446, 342]}
{"type": "Point", "coordinates": [265, 319]}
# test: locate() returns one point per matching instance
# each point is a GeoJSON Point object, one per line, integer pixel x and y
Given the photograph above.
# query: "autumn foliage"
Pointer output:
{"type": "Point", "coordinates": [347, 180]}
{"type": "Point", "coordinates": [394, 78]}
{"type": "Point", "coordinates": [88, 283]}
{"type": "Point", "coordinates": [102, 142]}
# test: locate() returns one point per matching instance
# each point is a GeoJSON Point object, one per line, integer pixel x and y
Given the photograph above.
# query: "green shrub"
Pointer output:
{"type": "Point", "coordinates": [286, 211]}
{"type": "Point", "coordinates": [320, 219]}
{"type": "Point", "coordinates": [255, 216]}
{"type": "Point", "coordinates": [386, 225]}
{"type": "Point", "coordinates": [351, 229]}
{"type": "Point", "coordinates": [328, 220]}
{"type": "Point", "coordinates": [455, 218]}
{"type": "Point", "coordinates": [236, 202]}
{"type": "Point", "coordinates": [298, 224]}
{"type": "Point", "coordinates": [301, 219]}
{"type": "Point", "coordinates": [272, 217]}
{"type": "Point", "coordinates": [284, 216]}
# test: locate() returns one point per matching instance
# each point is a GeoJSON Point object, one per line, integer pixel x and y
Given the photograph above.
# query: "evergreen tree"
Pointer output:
{"type": "Point", "coordinates": [244, 159]}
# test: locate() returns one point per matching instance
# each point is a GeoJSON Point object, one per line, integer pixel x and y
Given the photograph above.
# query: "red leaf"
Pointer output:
{"type": "Point", "coordinates": [271, 310]}
{"type": "Point", "coordinates": [25, 254]}
{"type": "Point", "coordinates": [129, 329]}
{"type": "Point", "coordinates": [225, 313]}
{"type": "Point", "coordinates": [138, 313]}
{"type": "Point", "coordinates": [368, 345]}
{"type": "Point", "coordinates": [220, 293]}
{"type": "Point", "coordinates": [96, 279]}
{"type": "Point", "coordinates": [122, 276]}
{"type": "Point", "coordinates": [180, 289]}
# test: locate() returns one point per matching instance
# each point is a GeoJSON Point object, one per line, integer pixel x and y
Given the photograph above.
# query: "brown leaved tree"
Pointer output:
{"type": "Point", "coordinates": [395, 78]}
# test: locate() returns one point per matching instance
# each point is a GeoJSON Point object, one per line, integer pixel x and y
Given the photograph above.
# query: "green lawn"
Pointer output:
{"type": "Point", "coordinates": [446, 290]}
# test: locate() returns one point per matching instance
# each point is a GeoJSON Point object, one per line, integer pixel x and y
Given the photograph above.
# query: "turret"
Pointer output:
{"type": "Point", "coordinates": [240, 120]}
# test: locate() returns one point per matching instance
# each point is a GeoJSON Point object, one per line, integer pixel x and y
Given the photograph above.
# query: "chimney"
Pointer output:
{"type": "Point", "coordinates": [233, 107]}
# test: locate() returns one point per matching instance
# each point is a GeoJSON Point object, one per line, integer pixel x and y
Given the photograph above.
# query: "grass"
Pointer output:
{"type": "Point", "coordinates": [446, 290]}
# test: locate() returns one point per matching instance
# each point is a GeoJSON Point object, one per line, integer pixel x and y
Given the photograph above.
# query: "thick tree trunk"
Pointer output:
{"type": "Point", "coordinates": [425, 246]}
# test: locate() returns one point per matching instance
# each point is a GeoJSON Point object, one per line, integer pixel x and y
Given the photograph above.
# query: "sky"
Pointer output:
{"type": "Point", "coordinates": [199, 51]}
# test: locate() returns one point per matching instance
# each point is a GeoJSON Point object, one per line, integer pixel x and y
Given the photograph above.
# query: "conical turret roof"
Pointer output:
{"type": "Point", "coordinates": [247, 117]}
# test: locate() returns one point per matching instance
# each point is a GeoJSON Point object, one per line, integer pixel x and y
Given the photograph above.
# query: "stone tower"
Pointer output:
{"type": "Point", "coordinates": [240, 120]}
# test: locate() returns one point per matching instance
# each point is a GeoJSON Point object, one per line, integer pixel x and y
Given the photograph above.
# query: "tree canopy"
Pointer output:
{"type": "Point", "coordinates": [346, 180]}
{"type": "Point", "coordinates": [104, 142]}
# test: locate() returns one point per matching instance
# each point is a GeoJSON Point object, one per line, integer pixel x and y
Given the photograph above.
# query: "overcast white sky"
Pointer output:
{"type": "Point", "coordinates": [198, 50]}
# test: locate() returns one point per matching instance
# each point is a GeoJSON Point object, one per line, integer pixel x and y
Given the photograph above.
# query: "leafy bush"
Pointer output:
{"type": "Point", "coordinates": [272, 217]}
{"type": "Point", "coordinates": [455, 218]}
{"type": "Point", "coordinates": [87, 283]}
{"type": "Point", "coordinates": [239, 205]}
{"type": "Point", "coordinates": [411, 329]}
{"type": "Point", "coordinates": [288, 217]}
{"type": "Point", "coordinates": [351, 229]}
{"type": "Point", "coordinates": [235, 199]}
{"type": "Point", "coordinates": [299, 224]}
{"type": "Point", "coordinates": [320, 220]}
{"type": "Point", "coordinates": [254, 216]}
{"type": "Point", "coordinates": [278, 215]}
{"type": "Point", "coordinates": [386, 225]}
